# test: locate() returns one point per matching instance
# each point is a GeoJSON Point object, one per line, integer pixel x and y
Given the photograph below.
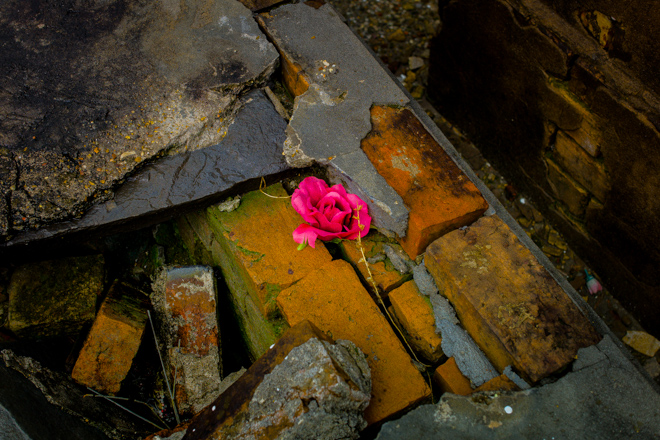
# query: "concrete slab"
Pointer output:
{"type": "Point", "coordinates": [332, 116]}
{"type": "Point", "coordinates": [251, 148]}
{"type": "Point", "coordinates": [608, 399]}
{"type": "Point", "coordinates": [92, 90]}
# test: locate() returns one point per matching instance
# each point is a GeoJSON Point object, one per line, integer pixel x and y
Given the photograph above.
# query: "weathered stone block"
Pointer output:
{"type": "Point", "coordinates": [439, 195]}
{"type": "Point", "coordinates": [54, 297]}
{"type": "Point", "coordinates": [334, 300]}
{"type": "Point", "coordinates": [384, 274]}
{"type": "Point", "coordinates": [305, 386]}
{"type": "Point", "coordinates": [184, 299]}
{"type": "Point", "coordinates": [415, 313]}
{"type": "Point", "coordinates": [581, 166]}
{"type": "Point", "coordinates": [507, 301]}
{"type": "Point", "coordinates": [567, 189]}
{"type": "Point", "coordinates": [113, 340]}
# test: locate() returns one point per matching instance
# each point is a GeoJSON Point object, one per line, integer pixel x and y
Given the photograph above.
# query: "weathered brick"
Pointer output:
{"type": "Point", "coordinates": [510, 305]}
{"type": "Point", "coordinates": [567, 189]}
{"type": "Point", "coordinates": [55, 297]}
{"type": "Point", "coordinates": [384, 274]}
{"type": "Point", "coordinates": [415, 313]}
{"type": "Point", "coordinates": [113, 340]}
{"type": "Point", "coordinates": [185, 300]}
{"type": "Point", "coordinates": [335, 301]}
{"type": "Point", "coordinates": [439, 195]}
{"type": "Point", "coordinates": [583, 126]}
{"type": "Point", "coordinates": [236, 413]}
{"type": "Point", "coordinates": [586, 170]}
{"type": "Point", "coordinates": [450, 379]}
{"type": "Point", "coordinates": [254, 247]}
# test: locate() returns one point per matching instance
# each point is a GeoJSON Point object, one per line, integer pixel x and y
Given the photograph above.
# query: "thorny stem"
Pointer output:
{"type": "Point", "coordinates": [110, 399]}
{"type": "Point", "coordinates": [370, 278]}
{"type": "Point", "coordinates": [162, 364]}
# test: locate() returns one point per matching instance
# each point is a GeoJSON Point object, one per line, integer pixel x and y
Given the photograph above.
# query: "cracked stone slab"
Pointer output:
{"type": "Point", "coordinates": [251, 148]}
{"type": "Point", "coordinates": [89, 91]}
{"type": "Point", "coordinates": [607, 399]}
{"type": "Point", "coordinates": [332, 117]}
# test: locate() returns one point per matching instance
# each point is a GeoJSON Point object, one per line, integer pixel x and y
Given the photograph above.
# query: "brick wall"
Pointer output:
{"type": "Point", "coordinates": [563, 98]}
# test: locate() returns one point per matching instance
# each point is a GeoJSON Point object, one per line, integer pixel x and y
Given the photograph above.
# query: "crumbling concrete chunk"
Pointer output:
{"type": "Point", "coordinates": [185, 301]}
{"type": "Point", "coordinates": [305, 386]}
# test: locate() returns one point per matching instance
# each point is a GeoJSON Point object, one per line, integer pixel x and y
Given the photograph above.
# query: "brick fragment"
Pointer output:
{"type": "Point", "coordinates": [185, 300]}
{"type": "Point", "coordinates": [510, 305]}
{"type": "Point", "coordinates": [384, 274]}
{"type": "Point", "coordinates": [415, 314]}
{"type": "Point", "coordinates": [113, 340]}
{"type": "Point", "coordinates": [268, 401]}
{"type": "Point", "coordinates": [439, 195]}
{"type": "Point", "coordinates": [500, 383]}
{"type": "Point", "coordinates": [334, 300]}
{"type": "Point", "coordinates": [450, 379]}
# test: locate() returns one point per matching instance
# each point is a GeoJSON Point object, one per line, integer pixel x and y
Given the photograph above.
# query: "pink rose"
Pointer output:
{"type": "Point", "coordinates": [330, 212]}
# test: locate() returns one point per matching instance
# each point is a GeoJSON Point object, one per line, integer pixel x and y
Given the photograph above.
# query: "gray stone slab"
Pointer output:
{"type": "Point", "coordinates": [331, 118]}
{"type": "Point", "coordinates": [90, 91]}
{"type": "Point", "coordinates": [603, 401]}
{"type": "Point", "coordinates": [251, 148]}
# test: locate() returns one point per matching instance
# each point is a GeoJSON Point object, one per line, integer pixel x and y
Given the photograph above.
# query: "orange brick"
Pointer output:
{"type": "Point", "coordinates": [415, 314]}
{"type": "Point", "coordinates": [510, 305]}
{"type": "Point", "coordinates": [334, 300]}
{"type": "Point", "coordinates": [112, 342]}
{"type": "Point", "coordinates": [499, 383]}
{"type": "Point", "coordinates": [384, 274]}
{"type": "Point", "coordinates": [258, 236]}
{"type": "Point", "coordinates": [439, 195]}
{"type": "Point", "coordinates": [450, 379]}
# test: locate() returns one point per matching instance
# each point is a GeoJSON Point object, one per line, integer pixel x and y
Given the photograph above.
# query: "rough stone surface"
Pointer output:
{"type": "Point", "coordinates": [56, 297]}
{"type": "Point", "coordinates": [507, 301]}
{"type": "Point", "coordinates": [424, 280]}
{"type": "Point", "coordinates": [415, 314]}
{"type": "Point", "coordinates": [257, 269]}
{"type": "Point", "coordinates": [184, 300]}
{"type": "Point", "coordinates": [566, 189]}
{"type": "Point", "coordinates": [333, 299]}
{"type": "Point", "coordinates": [90, 95]}
{"type": "Point", "coordinates": [591, 404]}
{"type": "Point", "coordinates": [48, 404]}
{"type": "Point", "coordinates": [113, 340]}
{"type": "Point", "coordinates": [439, 195]}
{"type": "Point", "coordinates": [305, 386]}
{"type": "Point", "coordinates": [332, 115]}
{"type": "Point", "coordinates": [250, 148]}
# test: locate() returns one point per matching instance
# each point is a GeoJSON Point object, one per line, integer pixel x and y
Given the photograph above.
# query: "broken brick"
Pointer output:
{"type": "Point", "coordinates": [510, 305]}
{"type": "Point", "coordinates": [335, 301]}
{"type": "Point", "coordinates": [439, 195]}
{"type": "Point", "coordinates": [113, 340]}
{"type": "Point", "coordinates": [415, 313]}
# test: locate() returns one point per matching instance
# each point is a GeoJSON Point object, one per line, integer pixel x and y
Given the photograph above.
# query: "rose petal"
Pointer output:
{"type": "Point", "coordinates": [305, 233]}
{"type": "Point", "coordinates": [315, 189]}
